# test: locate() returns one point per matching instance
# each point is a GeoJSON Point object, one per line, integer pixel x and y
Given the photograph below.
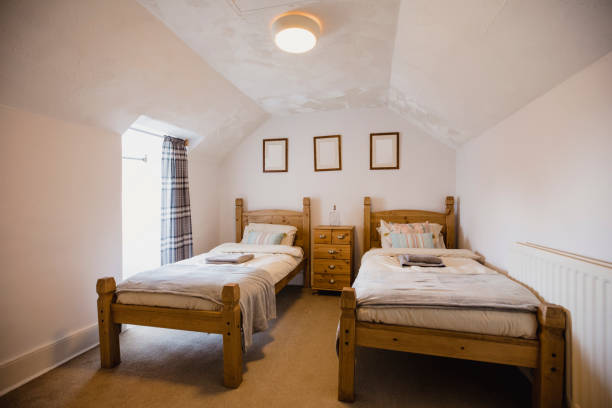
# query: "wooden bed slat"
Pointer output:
{"type": "Point", "coordinates": [169, 318]}
{"type": "Point", "coordinates": [443, 343]}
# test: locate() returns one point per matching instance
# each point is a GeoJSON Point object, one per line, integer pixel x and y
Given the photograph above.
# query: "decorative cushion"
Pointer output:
{"type": "Point", "coordinates": [387, 228]}
{"type": "Point", "coordinates": [288, 230]}
{"type": "Point", "coordinates": [264, 238]}
{"type": "Point", "coordinates": [401, 240]}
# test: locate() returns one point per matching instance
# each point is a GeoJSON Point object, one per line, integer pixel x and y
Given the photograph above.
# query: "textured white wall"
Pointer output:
{"type": "Point", "coordinates": [60, 226]}
{"type": "Point", "coordinates": [426, 175]}
{"type": "Point", "coordinates": [204, 194]}
{"type": "Point", "coordinates": [543, 174]}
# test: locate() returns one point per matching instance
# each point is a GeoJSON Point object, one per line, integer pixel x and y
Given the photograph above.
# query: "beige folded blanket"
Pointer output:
{"type": "Point", "coordinates": [229, 258]}
{"type": "Point", "coordinates": [257, 297]}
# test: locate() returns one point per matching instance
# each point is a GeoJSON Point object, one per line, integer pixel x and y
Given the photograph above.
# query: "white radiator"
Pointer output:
{"type": "Point", "coordinates": [584, 287]}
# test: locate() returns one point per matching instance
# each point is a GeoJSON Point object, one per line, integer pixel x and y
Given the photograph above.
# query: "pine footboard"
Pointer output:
{"type": "Point", "coordinates": [226, 322]}
{"type": "Point", "coordinates": [545, 354]}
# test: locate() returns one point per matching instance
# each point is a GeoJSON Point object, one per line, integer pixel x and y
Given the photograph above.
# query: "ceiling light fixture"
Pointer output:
{"type": "Point", "coordinates": [296, 32]}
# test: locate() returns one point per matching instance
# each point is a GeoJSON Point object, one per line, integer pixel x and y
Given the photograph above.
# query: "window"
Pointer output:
{"type": "Point", "coordinates": [141, 173]}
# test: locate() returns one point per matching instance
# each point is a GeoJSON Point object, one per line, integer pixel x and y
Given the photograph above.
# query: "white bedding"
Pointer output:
{"type": "Point", "coordinates": [277, 260]}
{"type": "Point", "coordinates": [382, 266]}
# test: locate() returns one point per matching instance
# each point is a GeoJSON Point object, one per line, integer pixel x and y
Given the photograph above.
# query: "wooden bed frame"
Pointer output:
{"type": "Point", "coordinates": [545, 354]}
{"type": "Point", "coordinates": [226, 321]}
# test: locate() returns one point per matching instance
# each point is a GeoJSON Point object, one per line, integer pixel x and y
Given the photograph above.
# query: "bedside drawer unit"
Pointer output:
{"type": "Point", "coordinates": [332, 257]}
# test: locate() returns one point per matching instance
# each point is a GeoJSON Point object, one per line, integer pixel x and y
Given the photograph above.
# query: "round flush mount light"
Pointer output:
{"type": "Point", "coordinates": [296, 32]}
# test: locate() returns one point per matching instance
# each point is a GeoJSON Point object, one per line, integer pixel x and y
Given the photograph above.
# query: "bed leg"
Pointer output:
{"type": "Point", "coordinates": [109, 332]}
{"type": "Point", "coordinates": [346, 350]}
{"type": "Point", "coordinates": [232, 337]}
{"type": "Point", "coordinates": [549, 375]}
{"type": "Point", "coordinates": [306, 274]}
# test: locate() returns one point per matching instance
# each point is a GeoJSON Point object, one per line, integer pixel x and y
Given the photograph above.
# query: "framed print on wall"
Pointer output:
{"type": "Point", "coordinates": [327, 153]}
{"type": "Point", "coordinates": [384, 151]}
{"type": "Point", "coordinates": [275, 155]}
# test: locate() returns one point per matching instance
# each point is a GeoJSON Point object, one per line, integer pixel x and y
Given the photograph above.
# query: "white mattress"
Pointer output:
{"type": "Point", "coordinates": [492, 322]}
{"type": "Point", "coordinates": [278, 262]}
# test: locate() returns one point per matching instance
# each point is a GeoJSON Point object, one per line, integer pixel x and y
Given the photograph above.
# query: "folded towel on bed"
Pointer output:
{"type": "Point", "coordinates": [229, 258]}
{"type": "Point", "coordinates": [420, 260]}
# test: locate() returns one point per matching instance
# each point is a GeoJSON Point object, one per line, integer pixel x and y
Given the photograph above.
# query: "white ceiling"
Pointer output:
{"type": "Point", "coordinates": [349, 67]}
{"type": "Point", "coordinates": [454, 68]}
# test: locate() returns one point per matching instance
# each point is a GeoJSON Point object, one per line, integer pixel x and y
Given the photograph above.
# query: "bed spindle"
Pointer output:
{"type": "Point", "coordinates": [549, 375]}
{"type": "Point", "coordinates": [346, 350]}
{"type": "Point", "coordinates": [232, 338]}
{"type": "Point", "coordinates": [109, 331]}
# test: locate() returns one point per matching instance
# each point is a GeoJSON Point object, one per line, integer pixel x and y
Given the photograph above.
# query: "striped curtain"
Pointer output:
{"type": "Point", "coordinates": [176, 240]}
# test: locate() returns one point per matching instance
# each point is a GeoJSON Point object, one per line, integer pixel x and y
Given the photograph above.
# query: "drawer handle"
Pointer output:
{"type": "Point", "coordinates": [332, 266]}
{"type": "Point", "coordinates": [332, 280]}
{"type": "Point", "coordinates": [331, 251]}
{"type": "Point", "coordinates": [340, 236]}
{"type": "Point", "coordinates": [322, 236]}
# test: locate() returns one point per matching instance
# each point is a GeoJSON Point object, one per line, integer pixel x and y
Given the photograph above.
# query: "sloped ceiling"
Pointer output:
{"type": "Point", "coordinates": [210, 66]}
{"type": "Point", "coordinates": [104, 63]}
{"type": "Point", "coordinates": [454, 68]}
{"type": "Point", "coordinates": [460, 67]}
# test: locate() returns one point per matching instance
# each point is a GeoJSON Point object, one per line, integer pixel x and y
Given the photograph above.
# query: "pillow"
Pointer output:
{"type": "Point", "coordinates": [414, 228]}
{"type": "Point", "coordinates": [288, 230]}
{"type": "Point", "coordinates": [402, 240]}
{"type": "Point", "coordinates": [384, 230]}
{"type": "Point", "coordinates": [264, 238]}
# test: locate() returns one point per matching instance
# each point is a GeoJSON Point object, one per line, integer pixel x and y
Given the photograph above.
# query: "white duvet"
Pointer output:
{"type": "Point", "coordinates": [277, 260]}
{"type": "Point", "coordinates": [380, 270]}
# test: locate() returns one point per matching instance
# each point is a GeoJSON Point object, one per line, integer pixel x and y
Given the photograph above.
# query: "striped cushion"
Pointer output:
{"type": "Point", "coordinates": [401, 240]}
{"type": "Point", "coordinates": [419, 228]}
{"type": "Point", "coordinates": [264, 238]}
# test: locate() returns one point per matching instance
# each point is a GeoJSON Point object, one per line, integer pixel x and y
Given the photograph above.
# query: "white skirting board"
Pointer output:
{"type": "Point", "coordinates": [583, 286]}
{"type": "Point", "coordinates": [26, 367]}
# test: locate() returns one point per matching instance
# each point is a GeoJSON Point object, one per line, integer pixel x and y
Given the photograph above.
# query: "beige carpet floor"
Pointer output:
{"type": "Point", "coordinates": [293, 364]}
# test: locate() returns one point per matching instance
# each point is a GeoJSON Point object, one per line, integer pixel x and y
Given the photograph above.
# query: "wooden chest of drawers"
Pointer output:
{"type": "Point", "coordinates": [332, 257]}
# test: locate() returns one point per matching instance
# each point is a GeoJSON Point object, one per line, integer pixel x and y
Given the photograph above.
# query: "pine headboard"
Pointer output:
{"type": "Point", "coordinates": [299, 219]}
{"type": "Point", "coordinates": [371, 220]}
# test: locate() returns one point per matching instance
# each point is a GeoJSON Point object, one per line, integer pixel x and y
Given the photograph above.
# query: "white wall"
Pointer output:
{"type": "Point", "coordinates": [60, 228]}
{"type": "Point", "coordinates": [204, 194]}
{"type": "Point", "coordinates": [544, 174]}
{"type": "Point", "coordinates": [426, 175]}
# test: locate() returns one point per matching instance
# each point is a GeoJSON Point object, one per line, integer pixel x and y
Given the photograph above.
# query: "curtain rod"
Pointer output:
{"type": "Point", "coordinates": [156, 134]}
{"type": "Point", "coordinates": [144, 159]}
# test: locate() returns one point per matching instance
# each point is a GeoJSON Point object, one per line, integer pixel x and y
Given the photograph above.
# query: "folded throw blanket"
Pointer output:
{"type": "Point", "coordinates": [229, 258]}
{"type": "Point", "coordinates": [420, 260]}
{"type": "Point", "coordinates": [257, 297]}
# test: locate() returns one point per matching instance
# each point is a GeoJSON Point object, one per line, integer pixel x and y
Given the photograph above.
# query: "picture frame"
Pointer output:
{"type": "Point", "coordinates": [327, 153]}
{"type": "Point", "coordinates": [275, 153]}
{"type": "Point", "coordinates": [384, 151]}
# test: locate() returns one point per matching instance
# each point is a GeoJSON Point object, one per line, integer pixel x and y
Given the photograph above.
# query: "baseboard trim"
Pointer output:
{"type": "Point", "coordinates": [24, 368]}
